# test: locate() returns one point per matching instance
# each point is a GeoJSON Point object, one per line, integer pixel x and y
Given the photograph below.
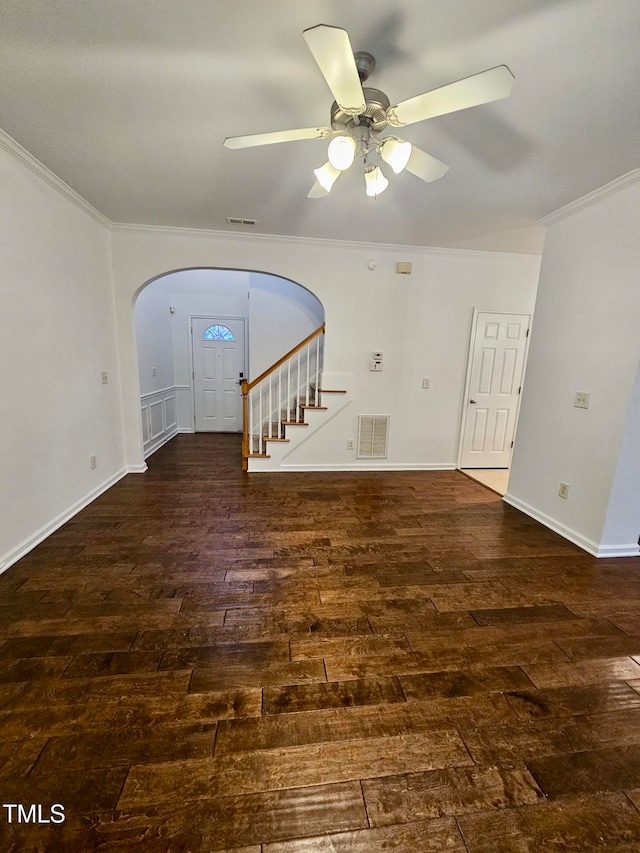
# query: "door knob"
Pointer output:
{"type": "Point", "coordinates": [473, 401]}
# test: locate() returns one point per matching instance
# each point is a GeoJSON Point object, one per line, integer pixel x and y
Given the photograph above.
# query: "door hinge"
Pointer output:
{"type": "Point", "coordinates": [520, 390]}
{"type": "Point", "coordinates": [511, 444]}
{"type": "Point", "coordinates": [527, 335]}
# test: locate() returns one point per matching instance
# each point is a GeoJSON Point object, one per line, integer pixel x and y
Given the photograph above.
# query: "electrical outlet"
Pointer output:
{"type": "Point", "coordinates": [425, 383]}
{"type": "Point", "coordinates": [563, 491]}
{"type": "Point", "coordinates": [93, 462]}
{"type": "Point", "coordinates": [581, 400]}
{"type": "Point", "coordinates": [351, 445]}
{"type": "Point", "coordinates": [105, 377]}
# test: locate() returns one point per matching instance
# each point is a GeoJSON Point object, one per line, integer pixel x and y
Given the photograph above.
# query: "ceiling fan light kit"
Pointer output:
{"type": "Point", "coordinates": [359, 114]}
{"type": "Point", "coordinates": [342, 151]}
{"type": "Point", "coordinates": [395, 153]}
{"type": "Point", "coordinates": [326, 176]}
{"type": "Point", "coordinates": [375, 181]}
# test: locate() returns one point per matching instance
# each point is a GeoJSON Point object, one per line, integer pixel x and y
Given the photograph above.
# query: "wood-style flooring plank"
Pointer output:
{"type": "Point", "coordinates": [427, 836]}
{"type": "Point", "coordinates": [597, 822]}
{"type": "Point", "coordinates": [287, 767]}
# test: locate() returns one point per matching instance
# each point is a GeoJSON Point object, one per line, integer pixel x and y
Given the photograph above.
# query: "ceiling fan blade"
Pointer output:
{"type": "Point", "coordinates": [424, 166]}
{"type": "Point", "coordinates": [277, 136]}
{"type": "Point", "coordinates": [332, 51]}
{"type": "Point", "coordinates": [482, 88]}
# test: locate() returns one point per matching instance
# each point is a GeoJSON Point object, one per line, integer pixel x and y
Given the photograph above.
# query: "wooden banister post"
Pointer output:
{"type": "Point", "coordinates": [245, 425]}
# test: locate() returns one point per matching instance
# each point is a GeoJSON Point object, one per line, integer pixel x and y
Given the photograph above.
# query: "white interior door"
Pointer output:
{"type": "Point", "coordinates": [218, 363]}
{"type": "Point", "coordinates": [498, 347]}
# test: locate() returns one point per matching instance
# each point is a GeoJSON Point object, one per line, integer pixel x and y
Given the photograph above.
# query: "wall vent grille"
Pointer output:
{"type": "Point", "coordinates": [237, 220]}
{"type": "Point", "coordinates": [373, 436]}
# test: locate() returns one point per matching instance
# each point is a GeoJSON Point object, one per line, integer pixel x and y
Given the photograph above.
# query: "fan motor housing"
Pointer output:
{"type": "Point", "coordinates": [374, 115]}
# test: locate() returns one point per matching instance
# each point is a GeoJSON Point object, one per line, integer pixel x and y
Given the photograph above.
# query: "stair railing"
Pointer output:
{"type": "Point", "coordinates": [276, 395]}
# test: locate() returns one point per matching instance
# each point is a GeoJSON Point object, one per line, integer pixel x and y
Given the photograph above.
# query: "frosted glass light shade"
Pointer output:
{"type": "Point", "coordinates": [396, 153]}
{"type": "Point", "coordinates": [342, 150]}
{"type": "Point", "coordinates": [376, 182]}
{"type": "Point", "coordinates": [317, 191]}
{"type": "Point", "coordinates": [326, 176]}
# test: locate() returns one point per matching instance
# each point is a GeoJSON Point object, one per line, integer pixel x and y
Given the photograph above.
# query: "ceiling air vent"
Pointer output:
{"type": "Point", "coordinates": [237, 220]}
{"type": "Point", "coordinates": [373, 436]}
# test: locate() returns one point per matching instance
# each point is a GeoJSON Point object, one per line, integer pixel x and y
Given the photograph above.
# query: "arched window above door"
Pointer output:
{"type": "Point", "coordinates": [218, 332]}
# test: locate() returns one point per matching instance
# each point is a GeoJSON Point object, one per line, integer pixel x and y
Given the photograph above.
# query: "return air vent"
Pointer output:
{"type": "Point", "coordinates": [373, 436]}
{"type": "Point", "coordinates": [236, 220]}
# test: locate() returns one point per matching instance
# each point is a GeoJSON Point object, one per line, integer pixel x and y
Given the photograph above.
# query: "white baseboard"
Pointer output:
{"type": "Point", "coordinates": [578, 539]}
{"type": "Point", "coordinates": [137, 469]}
{"type": "Point", "coordinates": [40, 535]}
{"type": "Point", "coordinates": [619, 551]}
{"type": "Point", "coordinates": [377, 466]}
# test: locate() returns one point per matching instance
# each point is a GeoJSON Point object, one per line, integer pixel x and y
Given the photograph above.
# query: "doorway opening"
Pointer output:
{"type": "Point", "coordinates": [497, 356]}
{"type": "Point", "coordinates": [199, 333]}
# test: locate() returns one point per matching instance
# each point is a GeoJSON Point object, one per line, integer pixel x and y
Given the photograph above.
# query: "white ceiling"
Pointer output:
{"type": "Point", "coordinates": [129, 103]}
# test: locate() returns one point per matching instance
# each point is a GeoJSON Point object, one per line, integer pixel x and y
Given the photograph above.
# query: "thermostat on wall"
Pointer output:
{"type": "Point", "coordinates": [375, 363]}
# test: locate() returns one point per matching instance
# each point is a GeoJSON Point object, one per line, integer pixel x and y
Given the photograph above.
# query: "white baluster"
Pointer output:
{"type": "Point", "coordinates": [279, 401]}
{"type": "Point", "coordinates": [318, 401]}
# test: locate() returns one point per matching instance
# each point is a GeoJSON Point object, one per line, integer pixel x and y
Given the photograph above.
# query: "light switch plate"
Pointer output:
{"type": "Point", "coordinates": [581, 400]}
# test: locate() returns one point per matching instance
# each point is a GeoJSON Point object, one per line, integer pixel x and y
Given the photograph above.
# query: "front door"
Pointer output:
{"type": "Point", "coordinates": [218, 364]}
{"type": "Point", "coordinates": [498, 348]}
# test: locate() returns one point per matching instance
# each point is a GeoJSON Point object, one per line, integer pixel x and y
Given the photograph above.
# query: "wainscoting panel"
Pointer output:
{"type": "Point", "coordinates": [158, 411]}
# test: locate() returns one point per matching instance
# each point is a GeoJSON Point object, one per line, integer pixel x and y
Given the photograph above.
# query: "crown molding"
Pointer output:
{"type": "Point", "coordinates": [616, 186]}
{"type": "Point", "coordinates": [15, 150]}
{"type": "Point", "coordinates": [317, 242]}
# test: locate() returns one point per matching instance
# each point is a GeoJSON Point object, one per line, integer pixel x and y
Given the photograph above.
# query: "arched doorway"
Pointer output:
{"type": "Point", "coordinates": [271, 313]}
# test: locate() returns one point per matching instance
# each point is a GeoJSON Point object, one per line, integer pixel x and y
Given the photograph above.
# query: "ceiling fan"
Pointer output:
{"type": "Point", "coordinates": [359, 115]}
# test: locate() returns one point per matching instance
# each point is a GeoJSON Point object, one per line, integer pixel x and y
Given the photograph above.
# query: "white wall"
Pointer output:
{"type": "Point", "coordinates": [622, 524]}
{"type": "Point", "coordinates": [57, 334]}
{"type": "Point", "coordinates": [281, 314]}
{"type": "Point", "coordinates": [421, 322]}
{"type": "Point", "coordinates": [585, 337]}
{"type": "Point", "coordinates": [154, 338]}
{"type": "Point", "coordinates": [158, 397]}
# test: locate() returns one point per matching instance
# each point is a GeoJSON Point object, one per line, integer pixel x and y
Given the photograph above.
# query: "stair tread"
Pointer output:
{"type": "Point", "coordinates": [266, 438]}
{"type": "Point", "coordinates": [308, 406]}
{"type": "Point", "coordinates": [257, 456]}
{"type": "Point", "coordinates": [331, 391]}
{"type": "Point", "coordinates": [293, 423]}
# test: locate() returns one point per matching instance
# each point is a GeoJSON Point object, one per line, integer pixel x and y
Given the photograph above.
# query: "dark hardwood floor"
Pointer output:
{"type": "Point", "coordinates": [203, 660]}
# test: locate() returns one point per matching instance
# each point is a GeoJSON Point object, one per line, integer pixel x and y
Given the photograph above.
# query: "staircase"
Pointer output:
{"type": "Point", "coordinates": [278, 406]}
